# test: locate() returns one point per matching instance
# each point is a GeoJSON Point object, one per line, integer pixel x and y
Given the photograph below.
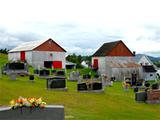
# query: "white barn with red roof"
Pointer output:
{"type": "Point", "coordinates": [46, 53]}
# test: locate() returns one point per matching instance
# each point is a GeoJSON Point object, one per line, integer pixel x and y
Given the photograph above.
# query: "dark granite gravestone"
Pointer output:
{"type": "Point", "coordinates": [44, 72]}
{"type": "Point", "coordinates": [31, 78]}
{"type": "Point", "coordinates": [50, 112]}
{"type": "Point", "coordinates": [60, 73]}
{"type": "Point", "coordinates": [17, 68]}
{"type": "Point", "coordinates": [36, 71]}
{"type": "Point", "coordinates": [96, 86]}
{"type": "Point", "coordinates": [81, 86]}
{"type": "Point", "coordinates": [56, 83]}
{"type": "Point", "coordinates": [141, 96]}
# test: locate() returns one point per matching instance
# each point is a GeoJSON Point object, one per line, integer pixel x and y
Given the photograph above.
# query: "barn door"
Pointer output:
{"type": "Point", "coordinates": [57, 64]}
{"type": "Point", "coordinates": [22, 56]}
{"type": "Point", "coordinates": [95, 63]}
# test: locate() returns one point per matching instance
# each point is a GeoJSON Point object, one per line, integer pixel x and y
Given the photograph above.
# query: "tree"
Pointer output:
{"type": "Point", "coordinates": [4, 51]}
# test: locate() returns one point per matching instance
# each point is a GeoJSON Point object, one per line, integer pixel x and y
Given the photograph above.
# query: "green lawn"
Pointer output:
{"type": "Point", "coordinates": [113, 104]}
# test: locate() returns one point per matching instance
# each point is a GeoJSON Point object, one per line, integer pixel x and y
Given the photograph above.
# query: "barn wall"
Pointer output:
{"type": "Point", "coordinates": [148, 77]}
{"type": "Point", "coordinates": [40, 56]}
{"type": "Point", "coordinates": [101, 64]}
{"type": "Point", "coordinates": [127, 59]}
{"type": "Point", "coordinates": [144, 61]}
{"type": "Point", "coordinates": [14, 56]}
{"type": "Point", "coordinates": [121, 73]}
{"type": "Point", "coordinates": [29, 57]}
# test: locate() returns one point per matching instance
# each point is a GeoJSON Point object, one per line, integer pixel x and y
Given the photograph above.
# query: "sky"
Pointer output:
{"type": "Point", "coordinates": [82, 26]}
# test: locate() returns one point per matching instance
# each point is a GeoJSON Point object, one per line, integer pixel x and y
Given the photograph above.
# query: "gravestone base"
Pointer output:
{"type": "Point", "coordinates": [58, 89]}
{"type": "Point", "coordinates": [50, 112]}
{"type": "Point", "coordinates": [91, 91]}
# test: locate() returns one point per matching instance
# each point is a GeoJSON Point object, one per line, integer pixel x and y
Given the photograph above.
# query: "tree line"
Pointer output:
{"type": "Point", "coordinates": [78, 59]}
{"type": "Point", "coordinates": [4, 51]}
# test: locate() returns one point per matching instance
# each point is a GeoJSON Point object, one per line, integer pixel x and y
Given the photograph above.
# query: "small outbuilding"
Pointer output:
{"type": "Point", "coordinates": [39, 54]}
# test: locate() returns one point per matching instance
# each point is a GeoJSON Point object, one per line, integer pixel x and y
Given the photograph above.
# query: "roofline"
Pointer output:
{"type": "Point", "coordinates": [118, 41]}
{"type": "Point", "coordinates": [52, 41]}
{"type": "Point", "coordinates": [124, 45]}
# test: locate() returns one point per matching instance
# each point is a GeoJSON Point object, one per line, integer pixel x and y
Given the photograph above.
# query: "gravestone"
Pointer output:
{"type": "Point", "coordinates": [141, 96]}
{"type": "Point", "coordinates": [31, 78]}
{"type": "Point", "coordinates": [50, 112]}
{"type": "Point", "coordinates": [74, 76]}
{"type": "Point", "coordinates": [60, 73]}
{"type": "Point", "coordinates": [106, 81]}
{"type": "Point", "coordinates": [36, 71]}
{"type": "Point", "coordinates": [12, 76]}
{"type": "Point", "coordinates": [57, 82]}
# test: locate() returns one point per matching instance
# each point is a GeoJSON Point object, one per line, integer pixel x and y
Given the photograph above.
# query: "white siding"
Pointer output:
{"type": "Point", "coordinates": [144, 61]}
{"type": "Point", "coordinates": [101, 64]}
{"type": "Point", "coordinates": [29, 57]}
{"type": "Point", "coordinates": [40, 56]}
{"type": "Point", "coordinates": [14, 56]}
{"type": "Point", "coordinates": [121, 73]}
{"type": "Point", "coordinates": [149, 76]}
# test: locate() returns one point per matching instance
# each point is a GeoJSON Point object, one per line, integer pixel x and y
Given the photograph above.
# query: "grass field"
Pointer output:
{"type": "Point", "coordinates": [113, 104]}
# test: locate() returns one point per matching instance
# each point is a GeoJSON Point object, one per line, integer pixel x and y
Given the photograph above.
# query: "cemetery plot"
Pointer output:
{"type": "Point", "coordinates": [89, 85]}
{"type": "Point", "coordinates": [150, 95]}
{"type": "Point", "coordinates": [15, 68]}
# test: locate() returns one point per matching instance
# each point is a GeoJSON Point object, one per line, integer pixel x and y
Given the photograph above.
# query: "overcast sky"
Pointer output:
{"type": "Point", "coordinates": [82, 26]}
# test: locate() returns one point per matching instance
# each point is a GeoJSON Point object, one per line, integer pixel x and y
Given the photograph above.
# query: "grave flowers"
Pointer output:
{"type": "Point", "coordinates": [27, 102]}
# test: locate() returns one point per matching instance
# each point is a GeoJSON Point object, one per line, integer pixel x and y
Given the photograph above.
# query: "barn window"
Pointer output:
{"type": "Point", "coordinates": [151, 75]}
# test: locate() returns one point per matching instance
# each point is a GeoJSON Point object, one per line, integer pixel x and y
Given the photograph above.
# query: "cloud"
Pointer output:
{"type": "Point", "coordinates": [12, 39]}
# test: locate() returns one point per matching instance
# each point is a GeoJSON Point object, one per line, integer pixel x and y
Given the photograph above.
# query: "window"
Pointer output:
{"type": "Point", "coordinates": [151, 75]}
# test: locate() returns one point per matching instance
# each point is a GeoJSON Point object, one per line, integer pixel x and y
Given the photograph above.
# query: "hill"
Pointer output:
{"type": "Point", "coordinates": [3, 59]}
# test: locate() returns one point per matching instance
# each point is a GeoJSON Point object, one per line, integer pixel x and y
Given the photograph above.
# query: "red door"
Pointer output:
{"type": "Point", "coordinates": [95, 63]}
{"type": "Point", "coordinates": [57, 64]}
{"type": "Point", "coordinates": [22, 56]}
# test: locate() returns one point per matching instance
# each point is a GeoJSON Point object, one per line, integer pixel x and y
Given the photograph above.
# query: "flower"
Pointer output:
{"type": "Point", "coordinates": [27, 102]}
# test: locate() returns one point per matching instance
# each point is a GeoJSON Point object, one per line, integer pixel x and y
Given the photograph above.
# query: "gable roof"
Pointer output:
{"type": "Point", "coordinates": [27, 46]}
{"type": "Point", "coordinates": [149, 68]}
{"type": "Point", "coordinates": [106, 48]}
{"type": "Point", "coordinates": [138, 57]}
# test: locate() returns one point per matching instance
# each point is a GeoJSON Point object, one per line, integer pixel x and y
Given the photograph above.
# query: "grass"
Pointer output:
{"type": "Point", "coordinates": [3, 59]}
{"type": "Point", "coordinates": [113, 104]}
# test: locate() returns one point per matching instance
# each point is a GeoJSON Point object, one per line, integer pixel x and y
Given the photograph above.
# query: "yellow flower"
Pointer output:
{"type": "Point", "coordinates": [12, 103]}
{"type": "Point", "coordinates": [32, 100]}
{"type": "Point", "coordinates": [39, 101]}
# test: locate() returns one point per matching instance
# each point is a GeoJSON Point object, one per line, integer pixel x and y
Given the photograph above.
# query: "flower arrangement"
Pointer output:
{"type": "Point", "coordinates": [27, 102]}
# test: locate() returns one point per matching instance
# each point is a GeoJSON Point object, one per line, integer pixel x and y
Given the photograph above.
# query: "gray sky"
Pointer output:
{"type": "Point", "coordinates": [82, 26]}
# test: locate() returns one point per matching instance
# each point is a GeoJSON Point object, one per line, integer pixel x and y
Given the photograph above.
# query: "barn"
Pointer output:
{"type": "Point", "coordinates": [39, 54]}
{"type": "Point", "coordinates": [114, 59]}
